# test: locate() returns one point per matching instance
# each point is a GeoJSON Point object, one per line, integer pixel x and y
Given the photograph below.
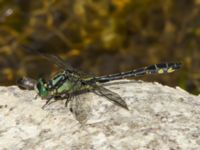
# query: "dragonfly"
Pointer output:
{"type": "Point", "coordinates": [70, 82]}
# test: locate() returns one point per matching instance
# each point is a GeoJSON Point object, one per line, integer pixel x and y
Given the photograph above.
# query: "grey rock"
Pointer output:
{"type": "Point", "coordinates": [159, 118]}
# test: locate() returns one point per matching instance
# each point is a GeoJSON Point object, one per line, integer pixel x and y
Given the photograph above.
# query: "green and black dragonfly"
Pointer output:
{"type": "Point", "coordinates": [70, 82]}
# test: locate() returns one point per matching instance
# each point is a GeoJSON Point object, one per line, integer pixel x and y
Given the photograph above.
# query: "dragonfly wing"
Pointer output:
{"type": "Point", "coordinates": [112, 96]}
{"type": "Point", "coordinates": [64, 65]}
{"type": "Point", "coordinates": [59, 62]}
{"type": "Point", "coordinates": [80, 108]}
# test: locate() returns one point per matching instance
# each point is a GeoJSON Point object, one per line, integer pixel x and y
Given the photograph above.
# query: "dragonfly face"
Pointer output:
{"type": "Point", "coordinates": [41, 88]}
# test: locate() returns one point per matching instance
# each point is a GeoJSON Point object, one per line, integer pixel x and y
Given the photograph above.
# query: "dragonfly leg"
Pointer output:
{"type": "Point", "coordinates": [47, 102]}
{"type": "Point", "coordinates": [68, 99]}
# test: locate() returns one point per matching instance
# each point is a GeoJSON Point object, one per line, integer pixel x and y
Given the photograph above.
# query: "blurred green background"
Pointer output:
{"type": "Point", "coordinates": [101, 37]}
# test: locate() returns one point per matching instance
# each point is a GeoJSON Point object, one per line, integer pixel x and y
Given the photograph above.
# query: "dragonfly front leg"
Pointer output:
{"type": "Point", "coordinates": [47, 102]}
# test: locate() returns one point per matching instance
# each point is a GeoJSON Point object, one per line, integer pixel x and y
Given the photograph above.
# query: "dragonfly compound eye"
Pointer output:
{"type": "Point", "coordinates": [41, 88]}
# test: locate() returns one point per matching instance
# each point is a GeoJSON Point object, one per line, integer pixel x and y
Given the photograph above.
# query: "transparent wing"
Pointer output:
{"type": "Point", "coordinates": [62, 64]}
{"type": "Point", "coordinates": [80, 108]}
{"type": "Point", "coordinates": [112, 96]}
{"type": "Point", "coordinates": [59, 62]}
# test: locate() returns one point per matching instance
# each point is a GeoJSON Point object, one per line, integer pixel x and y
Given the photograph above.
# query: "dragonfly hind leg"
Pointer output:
{"type": "Point", "coordinates": [68, 99]}
{"type": "Point", "coordinates": [56, 98]}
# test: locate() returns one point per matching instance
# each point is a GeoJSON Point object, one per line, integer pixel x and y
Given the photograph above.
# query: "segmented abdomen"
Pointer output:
{"type": "Point", "coordinates": [153, 69]}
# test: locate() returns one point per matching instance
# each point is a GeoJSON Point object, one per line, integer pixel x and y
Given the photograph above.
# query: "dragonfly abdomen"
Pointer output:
{"type": "Point", "coordinates": [153, 69]}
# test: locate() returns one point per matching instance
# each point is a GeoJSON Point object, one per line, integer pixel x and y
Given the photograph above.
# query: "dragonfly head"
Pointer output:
{"type": "Point", "coordinates": [41, 88]}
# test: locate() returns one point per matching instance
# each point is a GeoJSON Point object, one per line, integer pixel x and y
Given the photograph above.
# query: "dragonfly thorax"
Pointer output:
{"type": "Point", "coordinates": [61, 83]}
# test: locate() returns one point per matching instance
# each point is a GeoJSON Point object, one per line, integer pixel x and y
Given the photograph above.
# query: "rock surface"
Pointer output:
{"type": "Point", "coordinates": [160, 118]}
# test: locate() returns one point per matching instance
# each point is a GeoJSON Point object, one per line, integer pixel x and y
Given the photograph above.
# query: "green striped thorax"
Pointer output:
{"type": "Point", "coordinates": [59, 84]}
